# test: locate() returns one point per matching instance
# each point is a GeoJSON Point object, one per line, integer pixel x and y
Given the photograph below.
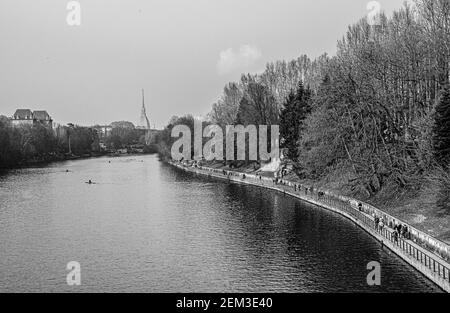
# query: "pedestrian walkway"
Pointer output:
{"type": "Point", "coordinates": [390, 231]}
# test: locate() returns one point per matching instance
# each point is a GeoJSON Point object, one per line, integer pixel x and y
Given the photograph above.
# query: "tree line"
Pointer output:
{"type": "Point", "coordinates": [24, 144]}
{"type": "Point", "coordinates": [20, 145]}
{"type": "Point", "coordinates": [378, 110]}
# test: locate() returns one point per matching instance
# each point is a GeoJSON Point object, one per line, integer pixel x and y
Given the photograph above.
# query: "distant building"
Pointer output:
{"type": "Point", "coordinates": [22, 117]}
{"type": "Point", "coordinates": [42, 117]}
{"type": "Point", "coordinates": [27, 117]}
{"type": "Point", "coordinates": [103, 131]}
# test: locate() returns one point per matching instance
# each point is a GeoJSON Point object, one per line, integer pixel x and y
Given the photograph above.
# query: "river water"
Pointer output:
{"type": "Point", "coordinates": [148, 227]}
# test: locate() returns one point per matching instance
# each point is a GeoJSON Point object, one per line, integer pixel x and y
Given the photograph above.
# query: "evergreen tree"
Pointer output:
{"type": "Point", "coordinates": [441, 130]}
{"type": "Point", "coordinates": [295, 110]}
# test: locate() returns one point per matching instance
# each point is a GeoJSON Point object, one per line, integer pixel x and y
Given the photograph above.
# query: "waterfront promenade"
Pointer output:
{"type": "Point", "coordinates": [423, 252]}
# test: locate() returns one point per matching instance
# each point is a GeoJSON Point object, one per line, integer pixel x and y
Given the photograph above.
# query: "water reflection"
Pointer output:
{"type": "Point", "coordinates": [146, 226]}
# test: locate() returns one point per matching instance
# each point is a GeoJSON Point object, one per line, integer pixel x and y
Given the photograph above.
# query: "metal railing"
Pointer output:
{"type": "Point", "coordinates": [404, 245]}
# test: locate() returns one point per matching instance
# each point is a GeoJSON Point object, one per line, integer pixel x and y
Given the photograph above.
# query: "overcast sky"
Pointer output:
{"type": "Point", "coordinates": [182, 52]}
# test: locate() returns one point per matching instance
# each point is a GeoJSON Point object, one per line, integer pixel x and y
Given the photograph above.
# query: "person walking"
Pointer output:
{"type": "Point", "coordinates": [396, 236]}
{"type": "Point", "coordinates": [381, 225]}
{"type": "Point", "coordinates": [405, 232]}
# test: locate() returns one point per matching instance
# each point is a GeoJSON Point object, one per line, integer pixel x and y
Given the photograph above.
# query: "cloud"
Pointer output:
{"type": "Point", "coordinates": [231, 60]}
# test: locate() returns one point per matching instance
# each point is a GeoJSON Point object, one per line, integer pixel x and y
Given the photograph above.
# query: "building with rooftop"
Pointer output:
{"type": "Point", "coordinates": [27, 117]}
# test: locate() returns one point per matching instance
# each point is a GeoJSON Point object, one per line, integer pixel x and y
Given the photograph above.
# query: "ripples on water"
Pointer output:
{"type": "Point", "coordinates": [147, 227]}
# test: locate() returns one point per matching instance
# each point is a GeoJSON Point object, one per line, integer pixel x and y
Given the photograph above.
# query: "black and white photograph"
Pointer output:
{"type": "Point", "coordinates": [225, 152]}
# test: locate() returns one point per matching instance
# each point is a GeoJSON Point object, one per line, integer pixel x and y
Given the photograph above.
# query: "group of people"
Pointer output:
{"type": "Point", "coordinates": [229, 174]}
{"type": "Point", "coordinates": [400, 231]}
{"type": "Point", "coordinates": [379, 223]}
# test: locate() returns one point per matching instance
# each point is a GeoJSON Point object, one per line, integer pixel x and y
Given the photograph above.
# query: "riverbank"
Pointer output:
{"type": "Point", "coordinates": [426, 254]}
{"type": "Point", "coordinates": [57, 157]}
{"type": "Point", "coordinates": [65, 157]}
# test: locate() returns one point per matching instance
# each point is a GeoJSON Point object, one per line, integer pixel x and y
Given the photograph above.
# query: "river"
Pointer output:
{"type": "Point", "coordinates": [145, 226]}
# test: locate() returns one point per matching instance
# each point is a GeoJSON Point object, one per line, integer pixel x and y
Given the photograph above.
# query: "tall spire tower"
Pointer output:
{"type": "Point", "coordinates": [144, 120]}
